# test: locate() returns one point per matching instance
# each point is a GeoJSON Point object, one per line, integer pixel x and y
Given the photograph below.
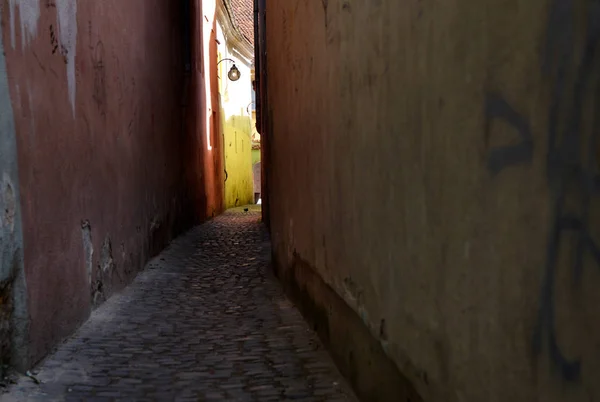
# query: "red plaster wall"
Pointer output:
{"type": "Point", "coordinates": [129, 160]}
{"type": "Point", "coordinates": [205, 171]}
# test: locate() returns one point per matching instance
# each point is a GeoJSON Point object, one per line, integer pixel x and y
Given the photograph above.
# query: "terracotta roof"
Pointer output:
{"type": "Point", "coordinates": [243, 17]}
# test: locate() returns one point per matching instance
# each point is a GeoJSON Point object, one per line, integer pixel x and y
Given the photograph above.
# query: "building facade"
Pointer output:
{"type": "Point", "coordinates": [433, 191]}
{"type": "Point", "coordinates": [235, 49]}
{"type": "Point", "coordinates": [103, 156]}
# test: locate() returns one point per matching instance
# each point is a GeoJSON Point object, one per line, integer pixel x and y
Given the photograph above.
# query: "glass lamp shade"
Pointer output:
{"type": "Point", "coordinates": [234, 73]}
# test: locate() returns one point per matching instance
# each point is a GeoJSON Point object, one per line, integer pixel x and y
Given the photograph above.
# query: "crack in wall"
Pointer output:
{"type": "Point", "coordinates": [88, 248]}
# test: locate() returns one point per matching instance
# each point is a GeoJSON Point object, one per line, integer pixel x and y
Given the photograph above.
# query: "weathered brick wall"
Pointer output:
{"type": "Point", "coordinates": [435, 163]}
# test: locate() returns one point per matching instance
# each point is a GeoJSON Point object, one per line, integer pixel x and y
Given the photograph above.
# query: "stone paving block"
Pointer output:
{"type": "Point", "coordinates": [204, 321]}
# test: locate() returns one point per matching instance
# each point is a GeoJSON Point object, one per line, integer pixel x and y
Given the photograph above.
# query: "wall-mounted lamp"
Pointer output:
{"type": "Point", "coordinates": [233, 74]}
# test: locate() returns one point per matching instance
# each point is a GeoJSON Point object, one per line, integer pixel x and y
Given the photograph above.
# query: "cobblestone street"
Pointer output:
{"type": "Point", "coordinates": [205, 321]}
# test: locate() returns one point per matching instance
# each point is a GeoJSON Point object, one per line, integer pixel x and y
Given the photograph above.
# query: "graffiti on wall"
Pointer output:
{"type": "Point", "coordinates": [572, 164]}
{"type": "Point", "coordinates": [57, 47]}
{"type": "Point", "coordinates": [496, 107]}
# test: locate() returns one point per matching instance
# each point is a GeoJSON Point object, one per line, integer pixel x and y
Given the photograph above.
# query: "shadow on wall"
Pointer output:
{"type": "Point", "coordinates": [525, 327]}
{"type": "Point", "coordinates": [572, 136]}
{"type": "Point", "coordinates": [256, 171]}
{"type": "Point", "coordinates": [238, 161]}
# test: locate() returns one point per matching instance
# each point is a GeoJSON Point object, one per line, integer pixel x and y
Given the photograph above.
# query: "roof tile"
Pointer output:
{"type": "Point", "coordinates": [243, 17]}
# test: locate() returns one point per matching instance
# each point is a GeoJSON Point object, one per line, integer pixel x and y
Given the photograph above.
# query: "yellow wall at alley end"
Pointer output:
{"type": "Point", "coordinates": [238, 158]}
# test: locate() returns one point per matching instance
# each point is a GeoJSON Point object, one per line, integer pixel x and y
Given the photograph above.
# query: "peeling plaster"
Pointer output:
{"type": "Point", "coordinates": [9, 203]}
{"type": "Point", "coordinates": [88, 248]}
{"type": "Point", "coordinates": [29, 15]}
{"type": "Point", "coordinates": [67, 27]}
{"type": "Point", "coordinates": [102, 285]}
{"type": "Point", "coordinates": [107, 263]}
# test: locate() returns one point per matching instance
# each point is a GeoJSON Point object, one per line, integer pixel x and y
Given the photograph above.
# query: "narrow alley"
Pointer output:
{"type": "Point", "coordinates": [422, 181]}
{"type": "Point", "coordinates": [204, 321]}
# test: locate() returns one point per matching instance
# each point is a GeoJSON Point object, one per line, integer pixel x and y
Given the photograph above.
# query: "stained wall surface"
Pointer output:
{"type": "Point", "coordinates": [99, 97]}
{"type": "Point", "coordinates": [12, 290]}
{"type": "Point", "coordinates": [436, 164]}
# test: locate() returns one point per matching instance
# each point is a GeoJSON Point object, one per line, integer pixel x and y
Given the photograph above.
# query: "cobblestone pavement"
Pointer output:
{"type": "Point", "coordinates": [204, 322]}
